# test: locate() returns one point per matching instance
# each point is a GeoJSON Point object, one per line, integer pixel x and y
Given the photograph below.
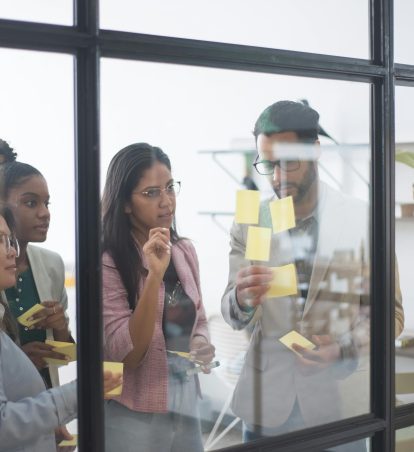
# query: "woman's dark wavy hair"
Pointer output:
{"type": "Point", "coordinates": [8, 323]}
{"type": "Point", "coordinates": [124, 173]}
{"type": "Point", "coordinates": [15, 173]}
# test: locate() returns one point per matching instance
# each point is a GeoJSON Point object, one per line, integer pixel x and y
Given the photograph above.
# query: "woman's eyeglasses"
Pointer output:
{"type": "Point", "coordinates": [10, 242]}
{"type": "Point", "coordinates": [172, 190]}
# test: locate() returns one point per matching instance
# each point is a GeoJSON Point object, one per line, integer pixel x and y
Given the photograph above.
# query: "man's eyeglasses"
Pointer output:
{"type": "Point", "coordinates": [267, 167]}
{"type": "Point", "coordinates": [172, 190]}
{"type": "Point", "coordinates": [10, 242]}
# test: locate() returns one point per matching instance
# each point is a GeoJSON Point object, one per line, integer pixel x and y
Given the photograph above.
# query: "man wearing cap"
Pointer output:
{"type": "Point", "coordinates": [283, 389]}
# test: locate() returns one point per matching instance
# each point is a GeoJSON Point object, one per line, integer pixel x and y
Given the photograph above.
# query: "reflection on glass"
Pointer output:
{"type": "Point", "coordinates": [276, 24]}
{"type": "Point", "coordinates": [404, 229]}
{"type": "Point", "coordinates": [46, 11]}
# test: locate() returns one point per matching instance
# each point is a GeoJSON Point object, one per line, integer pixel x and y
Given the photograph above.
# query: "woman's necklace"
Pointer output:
{"type": "Point", "coordinates": [172, 298]}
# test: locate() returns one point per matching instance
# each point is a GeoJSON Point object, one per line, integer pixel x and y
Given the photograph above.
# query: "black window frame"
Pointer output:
{"type": "Point", "coordinates": [88, 43]}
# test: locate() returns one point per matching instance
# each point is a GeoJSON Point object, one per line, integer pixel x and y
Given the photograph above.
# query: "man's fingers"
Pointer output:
{"type": "Point", "coordinates": [310, 355]}
{"type": "Point", "coordinates": [254, 280]}
{"type": "Point", "coordinates": [253, 294]}
{"type": "Point", "coordinates": [255, 270]}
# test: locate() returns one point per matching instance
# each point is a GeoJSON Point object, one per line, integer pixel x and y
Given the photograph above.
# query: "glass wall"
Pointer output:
{"type": "Point", "coordinates": [320, 26]}
{"type": "Point", "coordinates": [403, 11]}
{"type": "Point", "coordinates": [36, 120]}
{"type": "Point", "coordinates": [309, 241]}
{"type": "Point", "coordinates": [46, 11]}
{"type": "Point", "coordinates": [404, 229]}
{"type": "Point", "coordinates": [405, 439]}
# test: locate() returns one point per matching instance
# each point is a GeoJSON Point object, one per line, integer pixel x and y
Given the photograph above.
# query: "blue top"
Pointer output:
{"type": "Point", "coordinates": [29, 414]}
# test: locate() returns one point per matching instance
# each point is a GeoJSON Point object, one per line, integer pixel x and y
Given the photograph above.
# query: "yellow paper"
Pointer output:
{"type": "Point", "coordinates": [258, 243]}
{"type": "Point", "coordinates": [66, 348]}
{"type": "Point", "coordinates": [32, 311]}
{"type": "Point", "coordinates": [247, 206]}
{"type": "Point", "coordinates": [283, 214]}
{"type": "Point", "coordinates": [69, 442]}
{"type": "Point", "coordinates": [295, 338]}
{"type": "Point", "coordinates": [284, 282]}
{"type": "Point", "coordinates": [115, 368]}
{"type": "Point", "coordinates": [182, 354]}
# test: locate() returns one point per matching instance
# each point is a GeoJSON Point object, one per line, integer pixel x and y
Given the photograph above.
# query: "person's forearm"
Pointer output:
{"type": "Point", "coordinates": [31, 417]}
{"type": "Point", "coordinates": [142, 321]}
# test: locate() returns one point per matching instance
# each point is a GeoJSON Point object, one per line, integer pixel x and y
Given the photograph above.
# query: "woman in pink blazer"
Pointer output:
{"type": "Point", "coordinates": [152, 307]}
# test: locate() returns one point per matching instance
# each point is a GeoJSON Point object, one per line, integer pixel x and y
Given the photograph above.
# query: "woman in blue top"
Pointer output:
{"type": "Point", "coordinates": [29, 414]}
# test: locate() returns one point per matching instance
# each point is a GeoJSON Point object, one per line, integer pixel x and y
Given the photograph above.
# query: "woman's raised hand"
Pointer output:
{"type": "Point", "coordinates": [157, 251]}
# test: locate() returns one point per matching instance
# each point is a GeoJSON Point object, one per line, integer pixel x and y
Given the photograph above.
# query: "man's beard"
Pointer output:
{"type": "Point", "coordinates": [301, 189]}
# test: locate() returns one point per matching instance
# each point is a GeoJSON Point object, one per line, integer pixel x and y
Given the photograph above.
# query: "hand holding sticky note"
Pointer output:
{"type": "Point", "coordinates": [247, 206]}
{"type": "Point", "coordinates": [295, 338]}
{"type": "Point", "coordinates": [69, 442]}
{"type": "Point", "coordinates": [283, 214]}
{"type": "Point", "coordinates": [24, 318]}
{"type": "Point", "coordinates": [115, 368]}
{"type": "Point", "coordinates": [65, 348]}
{"type": "Point", "coordinates": [284, 282]}
{"type": "Point", "coordinates": [258, 243]}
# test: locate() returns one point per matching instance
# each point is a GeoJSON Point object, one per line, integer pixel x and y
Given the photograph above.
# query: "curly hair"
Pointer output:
{"type": "Point", "coordinates": [6, 152]}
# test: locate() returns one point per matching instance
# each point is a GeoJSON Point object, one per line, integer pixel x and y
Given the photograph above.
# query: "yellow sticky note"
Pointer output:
{"type": "Point", "coordinates": [32, 311]}
{"type": "Point", "coordinates": [69, 442]}
{"type": "Point", "coordinates": [283, 214]}
{"type": "Point", "coordinates": [66, 348]}
{"type": "Point", "coordinates": [116, 368]}
{"type": "Point", "coordinates": [295, 338]}
{"type": "Point", "coordinates": [284, 282]}
{"type": "Point", "coordinates": [258, 243]}
{"type": "Point", "coordinates": [247, 206]}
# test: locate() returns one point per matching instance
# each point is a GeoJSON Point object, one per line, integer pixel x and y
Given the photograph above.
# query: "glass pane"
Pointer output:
{"type": "Point", "coordinates": [36, 120]}
{"type": "Point", "coordinates": [404, 230]}
{"type": "Point", "coordinates": [403, 33]}
{"type": "Point", "coordinates": [320, 26]}
{"type": "Point", "coordinates": [405, 440]}
{"type": "Point", "coordinates": [46, 11]}
{"type": "Point", "coordinates": [321, 283]}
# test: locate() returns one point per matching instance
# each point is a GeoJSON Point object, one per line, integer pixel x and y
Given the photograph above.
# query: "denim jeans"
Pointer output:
{"type": "Point", "coordinates": [176, 431]}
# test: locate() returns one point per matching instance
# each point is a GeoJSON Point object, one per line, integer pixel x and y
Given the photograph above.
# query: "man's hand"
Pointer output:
{"type": "Point", "coordinates": [326, 354]}
{"type": "Point", "coordinates": [37, 351]}
{"type": "Point", "coordinates": [202, 350]}
{"type": "Point", "coordinates": [252, 284]}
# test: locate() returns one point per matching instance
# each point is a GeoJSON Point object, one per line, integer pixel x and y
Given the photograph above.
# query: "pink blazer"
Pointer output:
{"type": "Point", "coordinates": [145, 388]}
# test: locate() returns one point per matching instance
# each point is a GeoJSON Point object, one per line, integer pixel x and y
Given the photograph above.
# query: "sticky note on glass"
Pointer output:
{"type": "Point", "coordinates": [295, 338]}
{"type": "Point", "coordinates": [258, 243]}
{"type": "Point", "coordinates": [283, 214]}
{"type": "Point", "coordinates": [23, 319]}
{"type": "Point", "coordinates": [115, 368]}
{"type": "Point", "coordinates": [284, 282]}
{"type": "Point", "coordinates": [66, 348]}
{"type": "Point", "coordinates": [247, 206]}
{"type": "Point", "coordinates": [69, 442]}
